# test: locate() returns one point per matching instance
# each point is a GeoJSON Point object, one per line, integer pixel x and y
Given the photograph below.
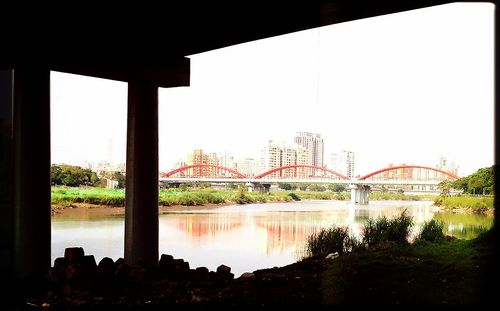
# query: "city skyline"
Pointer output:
{"type": "Point", "coordinates": [363, 85]}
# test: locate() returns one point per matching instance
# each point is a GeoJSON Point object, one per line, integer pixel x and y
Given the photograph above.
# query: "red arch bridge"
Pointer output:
{"type": "Point", "coordinates": [413, 175]}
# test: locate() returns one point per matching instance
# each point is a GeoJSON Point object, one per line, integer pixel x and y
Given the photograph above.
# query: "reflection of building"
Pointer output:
{"type": "Point", "coordinates": [197, 226]}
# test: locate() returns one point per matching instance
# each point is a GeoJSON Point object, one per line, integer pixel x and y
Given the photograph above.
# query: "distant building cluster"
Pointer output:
{"type": "Point", "coordinates": [103, 167]}
{"type": "Point", "coordinates": [307, 149]}
{"type": "Point", "coordinates": [421, 174]}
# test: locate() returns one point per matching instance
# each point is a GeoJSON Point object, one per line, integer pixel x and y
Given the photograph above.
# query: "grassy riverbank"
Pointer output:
{"type": "Point", "coordinates": [446, 272]}
{"type": "Point", "coordinates": [467, 204]}
{"type": "Point", "coordinates": [432, 268]}
{"type": "Point", "coordinates": [64, 196]}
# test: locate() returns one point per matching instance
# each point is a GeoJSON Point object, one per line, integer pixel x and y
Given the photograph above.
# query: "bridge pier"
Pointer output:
{"type": "Point", "coordinates": [359, 194]}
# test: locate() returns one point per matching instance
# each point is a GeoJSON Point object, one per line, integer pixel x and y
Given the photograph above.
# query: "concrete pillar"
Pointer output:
{"type": "Point", "coordinates": [267, 187]}
{"type": "Point", "coordinates": [31, 136]}
{"type": "Point", "coordinates": [353, 193]}
{"type": "Point", "coordinates": [367, 194]}
{"type": "Point", "coordinates": [141, 203]}
{"type": "Point", "coordinates": [6, 179]}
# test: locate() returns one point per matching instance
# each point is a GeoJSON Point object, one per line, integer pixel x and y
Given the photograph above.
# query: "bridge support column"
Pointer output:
{"type": "Point", "coordinates": [30, 91]}
{"type": "Point", "coordinates": [353, 193]}
{"type": "Point", "coordinates": [141, 202]}
{"type": "Point", "coordinates": [359, 194]}
{"type": "Point", "coordinates": [266, 187]}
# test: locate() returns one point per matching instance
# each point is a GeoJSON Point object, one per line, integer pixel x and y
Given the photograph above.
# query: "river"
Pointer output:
{"type": "Point", "coordinates": [248, 237]}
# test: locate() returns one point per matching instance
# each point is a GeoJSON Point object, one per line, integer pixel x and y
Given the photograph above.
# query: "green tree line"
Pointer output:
{"type": "Point", "coordinates": [75, 176]}
{"type": "Point", "coordinates": [480, 182]}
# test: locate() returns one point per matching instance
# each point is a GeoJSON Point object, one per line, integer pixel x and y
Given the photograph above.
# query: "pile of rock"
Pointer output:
{"type": "Point", "coordinates": [76, 273]}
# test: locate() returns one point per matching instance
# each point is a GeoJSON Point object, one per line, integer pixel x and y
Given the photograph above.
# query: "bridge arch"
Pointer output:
{"type": "Point", "coordinates": [300, 166]}
{"type": "Point", "coordinates": [184, 168]}
{"type": "Point", "coordinates": [453, 176]}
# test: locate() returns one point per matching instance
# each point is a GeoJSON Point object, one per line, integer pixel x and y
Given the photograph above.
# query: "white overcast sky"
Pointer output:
{"type": "Point", "coordinates": [401, 88]}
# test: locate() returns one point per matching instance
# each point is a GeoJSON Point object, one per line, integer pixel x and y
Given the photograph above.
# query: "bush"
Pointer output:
{"type": "Point", "coordinates": [400, 228]}
{"type": "Point", "coordinates": [327, 241]}
{"type": "Point", "coordinates": [432, 231]}
{"type": "Point", "coordinates": [294, 196]}
{"type": "Point", "coordinates": [384, 230]}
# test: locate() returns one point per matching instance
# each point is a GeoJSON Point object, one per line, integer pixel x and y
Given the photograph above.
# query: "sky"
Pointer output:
{"type": "Point", "coordinates": [401, 88]}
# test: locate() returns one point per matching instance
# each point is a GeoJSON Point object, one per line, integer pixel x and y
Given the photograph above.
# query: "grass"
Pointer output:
{"type": "Point", "coordinates": [326, 241]}
{"type": "Point", "coordinates": [431, 231]}
{"type": "Point", "coordinates": [430, 273]}
{"type": "Point", "coordinates": [190, 197]}
{"type": "Point", "coordinates": [382, 195]}
{"type": "Point", "coordinates": [474, 204]}
{"type": "Point", "coordinates": [431, 270]}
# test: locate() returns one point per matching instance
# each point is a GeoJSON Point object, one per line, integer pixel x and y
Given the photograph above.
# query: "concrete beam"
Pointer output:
{"type": "Point", "coordinates": [163, 74]}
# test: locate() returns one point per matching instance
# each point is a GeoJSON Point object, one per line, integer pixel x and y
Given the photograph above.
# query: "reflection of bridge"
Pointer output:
{"type": "Point", "coordinates": [396, 175]}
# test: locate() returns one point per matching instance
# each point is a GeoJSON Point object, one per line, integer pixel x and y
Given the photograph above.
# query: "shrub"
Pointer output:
{"type": "Point", "coordinates": [327, 241]}
{"type": "Point", "coordinates": [399, 228]}
{"type": "Point", "coordinates": [383, 230]}
{"type": "Point", "coordinates": [294, 196]}
{"type": "Point", "coordinates": [432, 231]}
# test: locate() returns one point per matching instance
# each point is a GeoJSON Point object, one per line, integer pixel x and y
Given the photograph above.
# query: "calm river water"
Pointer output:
{"type": "Point", "coordinates": [247, 237]}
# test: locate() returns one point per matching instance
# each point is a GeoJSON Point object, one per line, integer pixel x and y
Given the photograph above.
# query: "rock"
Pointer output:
{"type": "Point", "coordinates": [60, 265]}
{"type": "Point", "coordinates": [247, 276]}
{"type": "Point", "coordinates": [181, 269]}
{"type": "Point", "coordinates": [74, 254]}
{"type": "Point", "coordinates": [166, 266]}
{"type": "Point", "coordinates": [332, 255]}
{"type": "Point", "coordinates": [73, 272]}
{"type": "Point", "coordinates": [106, 268]}
{"type": "Point", "coordinates": [138, 274]}
{"type": "Point", "coordinates": [122, 270]}
{"type": "Point", "coordinates": [224, 273]}
{"type": "Point", "coordinates": [223, 269]}
{"type": "Point", "coordinates": [200, 274]}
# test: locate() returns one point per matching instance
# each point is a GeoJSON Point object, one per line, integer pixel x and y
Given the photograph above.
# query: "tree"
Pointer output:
{"type": "Point", "coordinates": [445, 187]}
{"type": "Point", "coordinates": [480, 182]}
{"type": "Point", "coordinates": [336, 187]}
{"type": "Point", "coordinates": [120, 178]}
{"type": "Point", "coordinates": [285, 186]}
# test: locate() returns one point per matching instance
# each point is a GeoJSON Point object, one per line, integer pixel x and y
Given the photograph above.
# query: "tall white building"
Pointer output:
{"type": "Point", "coordinates": [448, 166]}
{"type": "Point", "coordinates": [247, 167]}
{"type": "Point", "coordinates": [349, 162]}
{"type": "Point", "coordinates": [226, 160]}
{"type": "Point", "coordinates": [314, 144]}
{"type": "Point", "coordinates": [343, 163]}
{"type": "Point", "coordinates": [270, 158]}
{"type": "Point", "coordinates": [280, 155]}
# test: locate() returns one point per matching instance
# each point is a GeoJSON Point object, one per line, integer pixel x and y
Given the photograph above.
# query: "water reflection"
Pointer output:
{"type": "Point", "coordinates": [246, 237]}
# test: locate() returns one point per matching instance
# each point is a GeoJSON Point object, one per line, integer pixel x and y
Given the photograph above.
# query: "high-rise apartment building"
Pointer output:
{"type": "Point", "coordinates": [271, 158]}
{"type": "Point", "coordinates": [448, 166]}
{"type": "Point", "coordinates": [226, 160]}
{"type": "Point", "coordinates": [247, 166]}
{"type": "Point", "coordinates": [343, 163]}
{"type": "Point", "coordinates": [280, 155]}
{"type": "Point", "coordinates": [349, 162]}
{"type": "Point", "coordinates": [314, 144]}
{"type": "Point", "coordinates": [198, 157]}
